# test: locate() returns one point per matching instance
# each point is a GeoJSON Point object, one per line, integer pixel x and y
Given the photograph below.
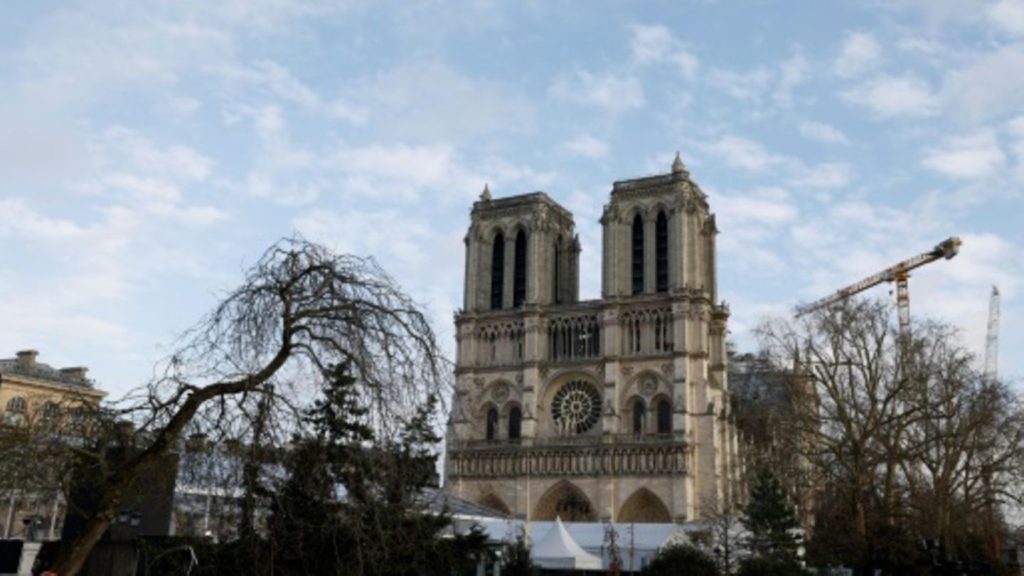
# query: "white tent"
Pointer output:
{"type": "Point", "coordinates": [558, 550]}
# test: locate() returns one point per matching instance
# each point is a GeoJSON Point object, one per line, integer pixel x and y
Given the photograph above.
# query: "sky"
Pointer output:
{"type": "Point", "coordinates": [151, 151]}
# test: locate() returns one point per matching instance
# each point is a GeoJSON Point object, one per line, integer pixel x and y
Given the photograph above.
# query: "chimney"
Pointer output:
{"type": "Point", "coordinates": [76, 372]}
{"type": "Point", "coordinates": [27, 358]}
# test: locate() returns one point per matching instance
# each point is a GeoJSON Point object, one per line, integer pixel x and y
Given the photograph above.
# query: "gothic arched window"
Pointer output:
{"type": "Point", "coordinates": [638, 255]}
{"type": "Point", "coordinates": [497, 271]}
{"type": "Point", "coordinates": [519, 271]}
{"type": "Point", "coordinates": [515, 423]}
{"type": "Point", "coordinates": [492, 424]}
{"type": "Point", "coordinates": [664, 417]}
{"type": "Point", "coordinates": [638, 416]}
{"type": "Point", "coordinates": [558, 271]}
{"type": "Point", "coordinates": [661, 252]}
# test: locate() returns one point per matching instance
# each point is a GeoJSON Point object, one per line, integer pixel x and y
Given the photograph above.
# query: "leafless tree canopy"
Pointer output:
{"type": "Point", "coordinates": [900, 434]}
{"type": "Point", "coordinates": [239, 372]}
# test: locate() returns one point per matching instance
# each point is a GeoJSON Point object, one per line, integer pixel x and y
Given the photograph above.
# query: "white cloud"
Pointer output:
{"type": "Point", "coordinates": [891, 96]}
{"type": "Point", "coordinates": [742, 153]}
{"type": "Point", "coordinates": [821, 132]}
{"type": "Point", "coordinates": [989, 86]}
{"type": "Point", "coordinates": [970, 157]}
{"type": "Point", "coordinates": [586, 146]}
{"type": "Point", "coordinates": [19, 220]}
{"type": "Point", "coordinates": [656, 43]}
{"type": "Point", "coordinates": [748, 221]}
{"type": "Point", "coordinates": [830, 175]}
{"type": "Point", "coordinates": [121, 144]}
{"type": "Point", "coordinates": [1015, 129]}
{"type": "Point", "coordinates": [432, 102]}
{"type": "Point", "coordinates": [278, 80]}
{"type": "Point", "coordinates": [1007, 15]}
{"type": "Point", "coordinates": [792, 72]}
{"type": "Point", "coordinates": [860, 53]}
{"type": "Point", "coordinates": [750, 85]}
{"type": "Point", "coordinates": [763, 206]}
{"type": "Point", "coordinates": [612, 92]}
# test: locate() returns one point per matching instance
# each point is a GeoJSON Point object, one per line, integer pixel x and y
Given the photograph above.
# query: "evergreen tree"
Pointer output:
{"type": "Point", "coordinates": [774, 531]}
{"type": "Point", "coordinates": [353, 503]}
{"type": "Point", "coordinates": [681, 559]}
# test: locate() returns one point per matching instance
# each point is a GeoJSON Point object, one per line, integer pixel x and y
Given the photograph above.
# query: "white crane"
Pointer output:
{"type": "Point", "coordinates": [992, 338]}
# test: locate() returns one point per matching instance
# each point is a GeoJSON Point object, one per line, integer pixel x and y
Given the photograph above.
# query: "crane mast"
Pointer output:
{"type": "Point", "coordinates": [898, 273]}
{"type": "Point", "coordinates": [992, 338]}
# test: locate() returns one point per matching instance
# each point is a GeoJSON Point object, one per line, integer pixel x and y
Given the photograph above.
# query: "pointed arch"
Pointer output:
{"type": "Point", "coordinates": [490, 500]}
{"type": "Point", "coordinates": [663, 415]}
{"type": "Point", "coordinates": [644, 507]}
{"type": "Point", "coordinates": [497, 271]}
{"type": "Point", "coordinates": [637, 263]}
{"type": "Point", "coordinates": [492, 423]}
{"type": "Point", "coordinates": [515, 423]}
{"type": "Point", "coordinates": [566, 501]}
{"type": "Point", "coordinates": [519, 270]}
{"type": "Point", "coordinates": [638, 410]}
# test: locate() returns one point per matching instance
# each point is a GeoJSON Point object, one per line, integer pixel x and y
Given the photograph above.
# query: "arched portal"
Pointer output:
{"type": "Point", "coordinates": [494, 503]}
{"type": "Point", "coordinates": [644, 507]}
{"type": "Point", "coordinates": [566, 501]}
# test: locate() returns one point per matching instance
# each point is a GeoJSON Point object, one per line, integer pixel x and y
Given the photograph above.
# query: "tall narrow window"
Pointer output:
{"type": "Point", "coordinates": [664, 417]}
{"type": "Point", "coordinates": [515, 423]}
{"type": "Point", "coordinates": [558, 270]}
{"type": "Point", "coordinates": [638, 255]}
{"type": "Point", "coordinates": [497, 271]}
{"type": "Point", "coordinates": [519, 271]}
{"type": "Point", "coordinates": [638, 416]}
{"type": "Point", "coordinates": [661, 252]}
{"type": "Point", "coordinates": [492, 424]}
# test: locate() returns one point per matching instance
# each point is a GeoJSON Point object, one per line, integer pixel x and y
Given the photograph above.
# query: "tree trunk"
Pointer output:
{"type": "Point", "coordinates": [71, 558]}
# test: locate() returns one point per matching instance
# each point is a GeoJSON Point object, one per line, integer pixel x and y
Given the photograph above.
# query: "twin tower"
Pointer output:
{"type": "Point", "coordinates": [612, 409]}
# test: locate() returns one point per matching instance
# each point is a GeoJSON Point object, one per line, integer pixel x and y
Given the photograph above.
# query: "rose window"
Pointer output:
{"type": "Point", "coordinates": [576, 407]}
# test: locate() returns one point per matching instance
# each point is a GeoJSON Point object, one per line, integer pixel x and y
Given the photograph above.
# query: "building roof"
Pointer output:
{"type": "Point", "coordinates": [437, 500]}
{"type": "Point", "coordinates": [41, 371]}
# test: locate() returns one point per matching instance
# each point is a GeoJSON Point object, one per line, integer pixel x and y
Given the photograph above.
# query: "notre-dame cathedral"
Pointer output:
{"type": "Point", "coordinates": [612, 409]}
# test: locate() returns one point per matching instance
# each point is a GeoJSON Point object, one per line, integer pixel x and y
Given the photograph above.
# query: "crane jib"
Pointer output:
{"type": "Point", "coordinates": [947, 249]}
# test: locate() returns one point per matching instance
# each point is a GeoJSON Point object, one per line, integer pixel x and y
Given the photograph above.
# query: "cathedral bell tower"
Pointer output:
{"type": "Point", "coordinates": [610, 409]}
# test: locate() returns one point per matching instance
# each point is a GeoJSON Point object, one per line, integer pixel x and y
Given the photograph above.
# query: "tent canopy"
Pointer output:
{"type": "Point", "coordinates": [558, 549]}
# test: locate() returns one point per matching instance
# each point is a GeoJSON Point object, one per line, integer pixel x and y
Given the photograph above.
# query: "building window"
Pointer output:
{"type": "Point", "coordinates": [492, 423]}
{"type": "Point", "coordinates": [515, 423]}
{"type": "Point", "coordinates": [576, 407]}
{"type": "Point", "coordinates": [497, 271]}
{"type": "Point", "coordinates": [558, 270]}
{"type": "Point", "coordinates": [664, 417]}
{"type": "Point", "coordinates": [638, 416]}
{"type": "Point", "coordinates": [638, 255]}
{"type": "Point", "coordinates": [661, 252]}
{"type": "Point", "coordinates": [15, 413]}
{"type": "Point", "coordinates": [519, 271]}
{"type": "Point", "coordinates": [17, 405]}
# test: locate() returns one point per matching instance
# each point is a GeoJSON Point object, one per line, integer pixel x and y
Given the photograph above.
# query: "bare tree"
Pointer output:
{"type": "Point", "coordinates": [902, 437]}
{"type": "Point", "coordinates": [300, 311]}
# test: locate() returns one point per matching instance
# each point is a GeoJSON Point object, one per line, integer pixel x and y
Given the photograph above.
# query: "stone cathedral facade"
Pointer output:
{"type": "Point", "coordinates": [612, 409]}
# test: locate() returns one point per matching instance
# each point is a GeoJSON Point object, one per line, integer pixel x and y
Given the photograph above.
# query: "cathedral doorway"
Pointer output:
{"type": "Point", "coordinates": [566, 501]}
{"type": "Point", "coordinates": [643, 506]}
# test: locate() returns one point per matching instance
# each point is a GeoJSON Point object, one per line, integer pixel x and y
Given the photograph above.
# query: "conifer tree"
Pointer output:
{"type": "Point", "coordinates": [769, 518]}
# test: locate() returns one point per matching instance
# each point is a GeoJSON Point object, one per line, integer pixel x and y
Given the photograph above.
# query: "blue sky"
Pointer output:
{"type": "Point", "coordinates": [150, 151]}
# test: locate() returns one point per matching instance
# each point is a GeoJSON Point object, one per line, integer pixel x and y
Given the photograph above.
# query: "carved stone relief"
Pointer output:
{"type": "Point", "coordinates": [500, 392]}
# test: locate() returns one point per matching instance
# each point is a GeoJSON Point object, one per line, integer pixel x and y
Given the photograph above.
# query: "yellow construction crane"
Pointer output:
{"type": "Point", "coordinates": [898, 273]}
